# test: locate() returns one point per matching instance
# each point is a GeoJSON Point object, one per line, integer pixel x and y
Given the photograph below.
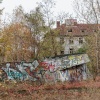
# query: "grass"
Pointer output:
{"type": "Point", "coordinates": [85, 90]}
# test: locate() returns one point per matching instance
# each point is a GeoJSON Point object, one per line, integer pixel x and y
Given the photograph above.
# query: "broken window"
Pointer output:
{"type": "Point", "coordinates": [83, 30]}
{"type": "Point", "coordinates": [80, 40]}
{"type": "Point", "coordinates": [62, 52]}
{"type": "Point", "coordinates": [71, 41]}
{"type": "Point", "coordinates": [71, 50]}
{"type": "Point", "coordinates": [69, 30]}
{"type": "Point", "coordinates": [61, 40]}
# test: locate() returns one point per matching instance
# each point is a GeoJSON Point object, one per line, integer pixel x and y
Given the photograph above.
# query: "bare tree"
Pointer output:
{"type": "Point", "coordinates": [88, 11]}
{"type": "Point", "coordinates": [62, 16]}
{"type": "Point", "coordinates": [47, 9]}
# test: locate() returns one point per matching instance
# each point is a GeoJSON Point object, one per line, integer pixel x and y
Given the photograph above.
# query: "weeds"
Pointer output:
{"type": "Point", "coordinates": [85, 90]}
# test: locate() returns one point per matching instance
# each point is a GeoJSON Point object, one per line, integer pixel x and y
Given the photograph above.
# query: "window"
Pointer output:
{"type": "Point", "coordinates": [71, 41]}
{"type": "Point", "coordinates": [83, 30]}
{"type": "Point", "coordinates": [69, 30]}
{"type": "Point", "coordinates": [71, 50]}
{"type": "Point", "coordinates": [61, 40]}
{"type": "Point", "coordinates": [80, 40]}
{"type": "Point", "coordinates": [61, 52]}
{"type": "Point", "coordinates": [94, 30]}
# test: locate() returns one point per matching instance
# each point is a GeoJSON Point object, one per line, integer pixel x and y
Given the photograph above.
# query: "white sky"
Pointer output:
{"type": "Point", "coordinates": [9, 5]}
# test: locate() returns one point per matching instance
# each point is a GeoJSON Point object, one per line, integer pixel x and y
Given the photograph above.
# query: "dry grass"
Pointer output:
{"type": "Point", "coordinates": [85, 90]}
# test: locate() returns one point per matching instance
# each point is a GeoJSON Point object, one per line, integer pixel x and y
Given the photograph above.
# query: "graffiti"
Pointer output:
{"type": "Point", "coordinates": [48, 76]}
{"type": "Point", "coordinates": [20, 71]}
{"type": "Point", "coordinates": [12, 73]}
{"type": "Point", "coordinates": [48, 66]}
{"type": "Point", "coordinates": [64, 62]}
{"type": "Point", "coordinates": [75, 60]}
{"type": "Point", "coordinates": [65, 68]}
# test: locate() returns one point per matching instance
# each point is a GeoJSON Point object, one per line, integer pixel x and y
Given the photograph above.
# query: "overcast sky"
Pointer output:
{"type": "Point", "coordinates": [9, 5]}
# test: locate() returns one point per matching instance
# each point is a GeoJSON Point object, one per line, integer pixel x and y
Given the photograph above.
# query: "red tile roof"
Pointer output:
{"type": "Point", "coordinates": [78, 29]}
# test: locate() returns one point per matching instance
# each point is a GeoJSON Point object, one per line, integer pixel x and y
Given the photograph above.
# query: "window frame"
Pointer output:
{"type": "Point", "coordinates": [71, 50]}
{"type": "Point", "coordinates": [62, 40]}
{"type": "Point", "coordinates": [80, 40]}
{"type": "Point", "coordinates": [71, 41]}
{"type": "Point", "coordinates": [69, 30]}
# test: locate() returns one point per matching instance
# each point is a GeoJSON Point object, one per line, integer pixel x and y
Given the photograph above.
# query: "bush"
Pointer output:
{"type": "Point", "coordinates": [81, 50]}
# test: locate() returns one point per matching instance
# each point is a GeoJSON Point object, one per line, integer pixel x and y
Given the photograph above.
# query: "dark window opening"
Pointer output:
{"type": "Point", "coordinates": [62, 40]}
{"type": "Point", "coordinates": [80, 40]}
{"type": "Point", "coordinates": [83, 30]}
{"type": "Point", "coordinates": [71, 41]}
{"type": "Point", "coordinates": [61, 52]}
{"type": "Point", "coordinates": [55, 53]}
{"type": "Point", "coordinates": [70, 30]}
{"type": "Point", "coordinates": [71, 50]}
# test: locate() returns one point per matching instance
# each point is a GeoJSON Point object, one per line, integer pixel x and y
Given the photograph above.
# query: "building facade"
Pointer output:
{"type": "Point", "coordinates": [72, 35]}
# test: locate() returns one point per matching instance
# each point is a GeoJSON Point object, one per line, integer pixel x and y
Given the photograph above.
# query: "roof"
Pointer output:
{"type": "Point", "coordinates": [69, 60]}
{"type": "Point", "coordinates": [60, 56]}
{"type": "Point", "coordinates": [77, 29]}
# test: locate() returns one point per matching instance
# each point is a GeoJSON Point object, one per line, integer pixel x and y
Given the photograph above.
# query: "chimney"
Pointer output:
{"type": "Point", "coordinates": [71, 21]}
{"type": "Point", "coordinates": [58, 24]}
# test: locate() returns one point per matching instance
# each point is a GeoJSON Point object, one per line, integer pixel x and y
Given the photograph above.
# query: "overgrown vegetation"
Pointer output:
{"type": "Point", "coordinates": [31, 36]}
{"type": "Point", "coordinates": [84, 90]}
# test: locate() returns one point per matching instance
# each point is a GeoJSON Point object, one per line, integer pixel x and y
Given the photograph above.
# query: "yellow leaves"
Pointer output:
{"type": "Point", "coordinates": [16, 37]}
{"type": "Point", "coordinates": [8, 48]}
